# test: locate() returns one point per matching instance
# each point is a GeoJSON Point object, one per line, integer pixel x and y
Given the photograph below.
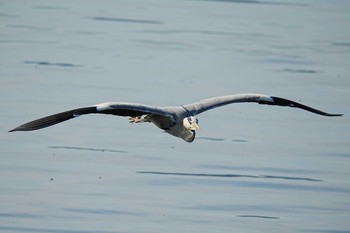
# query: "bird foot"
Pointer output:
{"type": "Point", "coordinates": [137, 119]}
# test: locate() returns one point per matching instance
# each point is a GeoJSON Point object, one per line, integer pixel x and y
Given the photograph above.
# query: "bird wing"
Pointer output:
{"type": "Point", "coordinates": [113, 108]}
{"type": "Point", "coordinates": [207, 104]}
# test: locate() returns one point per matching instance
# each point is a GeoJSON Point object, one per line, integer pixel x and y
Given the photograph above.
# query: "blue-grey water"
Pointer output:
{"type": "Point", "coordinates": [252, 168]}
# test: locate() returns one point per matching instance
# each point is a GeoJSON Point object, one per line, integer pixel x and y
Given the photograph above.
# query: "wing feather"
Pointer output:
{"type": "Point", "coordinates": [207, 104]}
{"type": "Point", "coordinates": [115, 108]}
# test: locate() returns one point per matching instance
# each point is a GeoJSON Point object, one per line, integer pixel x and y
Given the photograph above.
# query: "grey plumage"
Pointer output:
{"type": "Point", "coordinates": [179, 121]}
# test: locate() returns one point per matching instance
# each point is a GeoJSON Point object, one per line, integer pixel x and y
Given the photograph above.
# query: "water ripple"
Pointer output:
{"type": "Point", "coordinates": [210, 139]}
{"type": "Point", "coordinates": [300, 71]}
{"type": "Point", "coordinates": [257, 216]}
{"type": "Point", "coordinates": [277, 3]}
{"type": "Point", "coordinates": [125, 20]}
{"type": "Point", "coordinates": [221, 139]}
{"type": "Point", "coordinates": [87, 149]}
{"type": "Point", "coordinates": [229, 176]}
{"type": "Point", "coordinates": [30, 27]}
{"type": "Point", "coordinates": [100, 211]}
{"type": "Point", "coordinates": [46, 63]}
{"type": "Point", "coordinates": [326, 231]}
{"type": "Point", "coordinates": [19, 215]}
{"type": "Point", "coordinates": [48, 230]}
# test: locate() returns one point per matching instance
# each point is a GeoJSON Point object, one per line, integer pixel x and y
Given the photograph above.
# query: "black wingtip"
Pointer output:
{"type": "Point", "coordinates": [285, 102]}
{"type": "Point", "coordinates": [336, 115]}
{"type": "Point", "coordinates": [16, 129]}
{"type": "Point", "coordinates": [54, 119]}
{"type": "Point", "coordinates": [20, 128]}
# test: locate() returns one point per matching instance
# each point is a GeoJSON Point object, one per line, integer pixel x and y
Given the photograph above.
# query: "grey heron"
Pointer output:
{"type": "Point", "coordinates": [179, 121]}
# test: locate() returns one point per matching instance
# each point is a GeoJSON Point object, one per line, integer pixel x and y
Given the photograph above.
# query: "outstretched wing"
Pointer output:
{"type": "Point", "coordinates": [207, 104]}
{"type": "Point", "coordinates": [119, 109]}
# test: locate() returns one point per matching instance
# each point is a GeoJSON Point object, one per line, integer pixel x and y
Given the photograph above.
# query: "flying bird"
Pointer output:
{"type": "Point", "coordinates": [179, 121]}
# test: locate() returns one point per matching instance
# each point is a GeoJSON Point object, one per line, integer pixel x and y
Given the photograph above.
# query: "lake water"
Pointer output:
{"type": "Point", "coordinates": [252, 168]}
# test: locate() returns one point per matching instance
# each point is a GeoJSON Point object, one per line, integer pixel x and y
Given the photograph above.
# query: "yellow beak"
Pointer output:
{"type": "Point", "coordinates": [196, 126]}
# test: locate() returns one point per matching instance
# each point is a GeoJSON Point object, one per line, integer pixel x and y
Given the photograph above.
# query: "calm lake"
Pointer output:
{"type": "Point", "coordinates": [252, 168]}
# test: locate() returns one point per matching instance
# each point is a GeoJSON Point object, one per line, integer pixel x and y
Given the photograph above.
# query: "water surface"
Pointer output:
{"type": "Point", "coordinates": [252, 168]}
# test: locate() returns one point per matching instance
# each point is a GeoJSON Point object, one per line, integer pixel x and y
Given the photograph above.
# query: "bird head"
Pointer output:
{"type": "Point", "coordinates": [191, 123]}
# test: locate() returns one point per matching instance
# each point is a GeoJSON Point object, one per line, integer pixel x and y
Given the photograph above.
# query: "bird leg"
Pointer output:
{"type": "Point", "coordinates": [139, 119]}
